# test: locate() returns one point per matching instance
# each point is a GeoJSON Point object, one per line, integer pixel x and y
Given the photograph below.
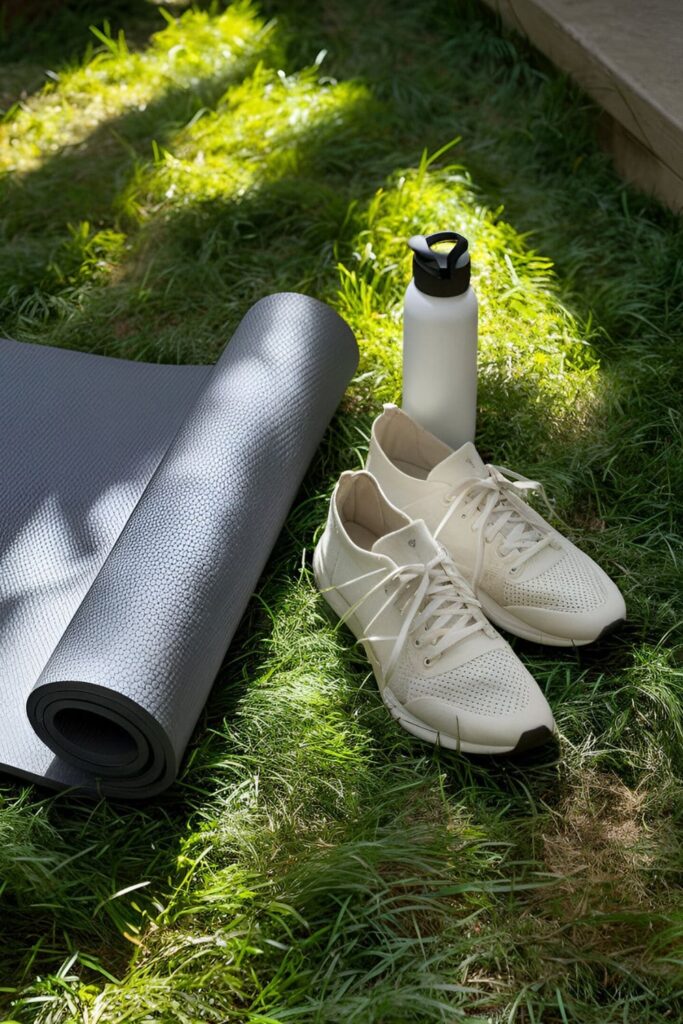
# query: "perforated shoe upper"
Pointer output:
{"type": "Point", "coordinates": [492, 683]}
{"type": "Point", "coordinates": [569, 585]}
{"type": "Point", "coordinates": [432, 649]}
{"type": "Point", "coordinates": [504, 548]}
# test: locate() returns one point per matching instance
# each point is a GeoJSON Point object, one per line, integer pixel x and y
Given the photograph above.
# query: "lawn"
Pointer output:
{"type": "Point", "coordinates": [161, 171]}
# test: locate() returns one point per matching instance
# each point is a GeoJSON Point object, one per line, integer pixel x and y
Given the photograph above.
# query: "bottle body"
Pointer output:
{"type": "Point", "coordinates": [440, 363]}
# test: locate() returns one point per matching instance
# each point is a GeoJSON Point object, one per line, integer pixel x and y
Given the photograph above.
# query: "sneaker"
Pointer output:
{"type": "Point", "coordinates": [530, 579]}
{"type": "Point", "coordinates": [442, 669]}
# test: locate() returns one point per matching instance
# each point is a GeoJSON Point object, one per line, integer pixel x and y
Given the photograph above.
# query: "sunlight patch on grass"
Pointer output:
{"type": "Point", "coordinates": [258, 132]}
{"type": "Point", "coordinates": [193, 47]}
{"type": "Point", "coordinates": [534, 359]}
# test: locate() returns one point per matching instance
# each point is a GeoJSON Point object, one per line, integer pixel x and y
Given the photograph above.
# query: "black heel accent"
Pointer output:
{"type": "Point", "coordinates": [533, 738]}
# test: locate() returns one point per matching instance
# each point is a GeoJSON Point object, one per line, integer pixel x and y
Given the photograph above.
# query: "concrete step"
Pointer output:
{"type": "Point", "coordinates": [627, 55]}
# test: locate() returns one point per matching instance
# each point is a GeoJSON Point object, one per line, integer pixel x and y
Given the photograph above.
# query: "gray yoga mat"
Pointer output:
{"type": "Point", "coordinates": [138, 506]}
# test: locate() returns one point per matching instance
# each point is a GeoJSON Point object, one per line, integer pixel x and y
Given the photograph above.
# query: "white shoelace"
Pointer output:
{"type": "Point", "coordinates": [441, 609]}
{"type": "Point", "coordinates": [498, 515]}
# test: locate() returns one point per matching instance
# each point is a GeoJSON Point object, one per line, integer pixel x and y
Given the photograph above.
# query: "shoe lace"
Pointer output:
{"type": "Point", "coordinates": [436, 605]}
{"type": "Point", "coordinates": [499, 515]}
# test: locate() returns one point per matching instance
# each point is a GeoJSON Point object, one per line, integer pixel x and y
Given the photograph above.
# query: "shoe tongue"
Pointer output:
{"type": "Point", "coordinates": [461, 465]}
{"type": "Point", "coordinates": [412, 543]}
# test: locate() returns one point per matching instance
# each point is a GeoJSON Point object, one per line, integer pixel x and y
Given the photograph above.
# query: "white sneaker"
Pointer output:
{"type": "Point", "coordinates": [443, 671]}
{"type": "Point", "coordinates": [529, 579]}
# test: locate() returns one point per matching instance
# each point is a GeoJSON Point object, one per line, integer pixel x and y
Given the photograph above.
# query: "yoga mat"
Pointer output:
{"type": "Point", "coordinates": [138, 506]}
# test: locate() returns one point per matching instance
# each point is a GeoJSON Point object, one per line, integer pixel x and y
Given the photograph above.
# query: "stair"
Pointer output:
{"type": "Point", "coordinates": [628, 56]}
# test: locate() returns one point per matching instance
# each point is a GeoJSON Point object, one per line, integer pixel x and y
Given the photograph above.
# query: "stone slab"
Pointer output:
{"type": "Point", "coordinates": [627, 55]}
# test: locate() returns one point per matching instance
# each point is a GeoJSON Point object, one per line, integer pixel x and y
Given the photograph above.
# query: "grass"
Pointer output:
{"type": "Point", "coordinates": [313, 863]}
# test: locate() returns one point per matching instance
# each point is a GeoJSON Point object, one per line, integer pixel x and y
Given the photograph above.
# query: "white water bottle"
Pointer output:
{"type": "Point", "coordinates": [440, 339]}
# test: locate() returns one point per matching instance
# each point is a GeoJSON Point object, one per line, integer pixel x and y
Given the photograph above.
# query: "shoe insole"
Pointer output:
{"type": "Point", "coordinates": [410, 469]}
{"type": "Point", "coordinates": [361, 536]}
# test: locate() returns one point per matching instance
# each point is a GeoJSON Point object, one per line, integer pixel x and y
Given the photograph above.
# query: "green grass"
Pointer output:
{"type": "Point", "coordinates": [314, 863]}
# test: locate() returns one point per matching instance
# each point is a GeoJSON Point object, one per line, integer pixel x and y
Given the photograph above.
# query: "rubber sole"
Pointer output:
{"type": "Point", "coordinates": [529, 739]}
{"type": "Point", "coordinates": [504, 619]}
{"type": "Point", "coordinates": [536, 737]}
{"type": "Point", "coordinates": [613, 626]}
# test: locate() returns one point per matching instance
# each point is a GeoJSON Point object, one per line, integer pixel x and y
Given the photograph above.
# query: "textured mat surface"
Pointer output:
{"type": "Point", "coordinates": [138, 506]}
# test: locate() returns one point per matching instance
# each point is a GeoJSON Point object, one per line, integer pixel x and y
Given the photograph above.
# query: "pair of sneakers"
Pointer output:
{"type": "Point", "coordinates": [423, 552]}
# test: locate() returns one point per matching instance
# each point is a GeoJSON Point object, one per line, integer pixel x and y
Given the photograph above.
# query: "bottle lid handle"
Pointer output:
{"type": "Point", "coordinates": [440, 261]}
{"type": "Point", "coordinates": [441, 273]}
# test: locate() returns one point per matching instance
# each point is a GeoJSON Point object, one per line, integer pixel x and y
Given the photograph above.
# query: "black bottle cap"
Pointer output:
{"type": "Point", "coordinates": [440, 273]}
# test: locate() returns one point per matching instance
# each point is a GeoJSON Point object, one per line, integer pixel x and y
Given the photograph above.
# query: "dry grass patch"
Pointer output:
{"type": "Point", "coordinates": [613, 895]}
{"type": "Point", "coordinates": [600, 846]}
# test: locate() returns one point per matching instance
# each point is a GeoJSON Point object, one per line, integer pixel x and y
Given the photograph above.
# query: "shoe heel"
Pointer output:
{"type": "Point", "coordinates": [335, 600]}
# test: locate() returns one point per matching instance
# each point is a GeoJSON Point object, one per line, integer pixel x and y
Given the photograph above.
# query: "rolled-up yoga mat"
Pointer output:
{"type": "Point", "coordinates": [138, 506]}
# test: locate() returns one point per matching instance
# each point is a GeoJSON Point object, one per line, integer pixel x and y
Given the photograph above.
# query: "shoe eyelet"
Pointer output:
{"type": "Point", "coordinates": [463, 515]}
{"type": "Point", "coordinates": [514, 568]}
{"type": "Point", "coordinates": [427, 662]}
{"type": "Point", "coordinates": [416, 642]}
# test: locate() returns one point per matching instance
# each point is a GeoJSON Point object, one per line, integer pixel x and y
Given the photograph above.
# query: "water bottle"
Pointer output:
{"type": "Point", "coordinates": [440, 339]}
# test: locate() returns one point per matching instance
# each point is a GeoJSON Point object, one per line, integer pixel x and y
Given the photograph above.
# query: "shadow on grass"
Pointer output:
{"type": "Point", "coordinates": [57, 33]}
